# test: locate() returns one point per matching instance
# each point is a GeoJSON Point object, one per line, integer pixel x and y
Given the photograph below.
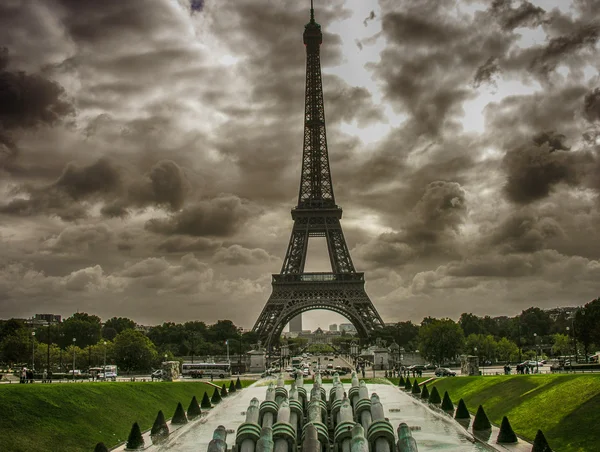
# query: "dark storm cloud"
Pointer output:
{"type": "Point", "coordinates": [525, 15]}
{"type": "Point", "coordinates": [431, 229]}
{"type": "Point", "coordinates": [559, 48]}
{"type": "Point", "coordinates": [534, 169]}
{"type": "Point", "coordinates": [591, 105]}
{"type": "Point", "coordinates": [430, 59]}
{"type": "Point", "coordinates": [219, 217]}
{"type": "Point", "coordinates": [486, 72]}
{"type": "Point", "coordinates": [523, 231]}
{"type": "Point", "coordinates": [238, 255]}
{"type": "Point", "coordinates": [185, 244]}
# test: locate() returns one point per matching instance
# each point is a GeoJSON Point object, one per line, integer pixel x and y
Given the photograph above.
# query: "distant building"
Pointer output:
{"type": "Point", "coordinates": [333, 327]}
{"type": "Point", "coordinates": [296, 324]}
{"type": "Point", "coordinates": [347, 327]}
{"type": "Point", "coordinates": [319, 336]}
{"type": "Point", "coordinates": [43, 320]}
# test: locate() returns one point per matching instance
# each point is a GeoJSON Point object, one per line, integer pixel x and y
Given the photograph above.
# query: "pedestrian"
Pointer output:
{"type": "Point", "coordinates": [44, 376]}
{"type": "Point", "coordinates": [23, 378]}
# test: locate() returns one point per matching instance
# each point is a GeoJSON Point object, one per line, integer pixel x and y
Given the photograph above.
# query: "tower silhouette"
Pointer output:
{"type": "Point", "coordinates": [317, 215]}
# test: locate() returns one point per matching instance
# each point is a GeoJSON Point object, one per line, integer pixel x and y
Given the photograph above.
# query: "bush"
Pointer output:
{"type": "Point", "coordinates": [447, 404]}
{"type": "Point", "coordinates": [540, 444]}
{"type": "Point", "coordinates": [407, 384]}
{"type": "Point", "coordinates": [179, 417]}
{"type": "Point", "coordinates": [193, 410]}
{"type": "Point", "coordinates": [205, 401]}
{"type": "Point", "coordinates": [238, 384]}
{"type": "Point", "coordinates": [425, 392]}
{"type": "Point", "coordinates": [434, 397]}
{"type": "Point", "coordinates": [159, 428]}
{"type": "Point", "coordinates": [481, 421]}
{"type": "Point", "coordinates": [232, 387]}
{"type": "Point", "coordinates": [461, 411]}
{"type": "Point", "coordinates": [401, 382]}
{"type": "Point", "coordinates": [506, 434]}
{"type": "Point", "coordinates": [216, 397]}
{"type": "Point", "coordinates": [415, 388]}
{"type": "Point", "coordinates": [224, 391]}
{"type": "Point", "coordinates": [135, 440]}
{"type": "Point", "coordinates": [100, 447]}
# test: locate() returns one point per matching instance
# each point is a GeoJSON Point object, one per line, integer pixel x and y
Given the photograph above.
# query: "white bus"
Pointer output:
{"type": "Point", "coordinates": [201, 370]}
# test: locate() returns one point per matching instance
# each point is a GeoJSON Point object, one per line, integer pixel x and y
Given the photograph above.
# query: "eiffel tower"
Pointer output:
{"type": "Point", "coordinates": [316, 215]}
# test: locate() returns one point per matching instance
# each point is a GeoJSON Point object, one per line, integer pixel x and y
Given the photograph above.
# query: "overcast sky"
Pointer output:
{"type": "Point", "coordinates": [150, 154]}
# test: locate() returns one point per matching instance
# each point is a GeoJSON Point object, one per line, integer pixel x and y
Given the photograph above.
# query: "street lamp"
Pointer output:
{"type": "Point", "coordinates": [74, 340]}
{"type": "Point", "coordinates": [33, 350]}
{"type": "Point", "coordinates": [475, 351]}
{"type": "Point", "coordinates": [537, 364]}
{"type": "Point", "coordinates": [104, 359]}
{"type": "Point", "coordinates": [570, 351]}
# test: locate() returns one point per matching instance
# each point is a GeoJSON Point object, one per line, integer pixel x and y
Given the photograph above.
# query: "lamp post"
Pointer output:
{"type": "Point", "coordinates": [354, 352]}
{"type": "Point", "coordinates": [33, 350]}
{"type": "Point", "coordinates": [48, 355]}
{"type": "Point", "coordinates": [475, 351]}
{"type": "Point", "coordinates": [74, 340]}
{"type": "Point", "coordinates": [537, 364]}
{"type": "Point", "coordinates": [570, 351]}
{"type": "Point", "coordinates": [104, 368]}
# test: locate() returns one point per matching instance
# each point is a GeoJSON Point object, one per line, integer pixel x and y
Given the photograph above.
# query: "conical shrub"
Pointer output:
{"type": "Point", "coordinates": [415, 388]}
{"type": "Point", "coordinates": [100, 447]}
{"type": "Point", "coordinates": [193, 410]}
{"type": "Point", "coordinates": [461, 411]}
{"type": "Point", "coordinates": [160, 427]}
{"type": "Point", "coordinates": [216, 397]}
{"type": "Point", "coordinates": [506, 435]}
{"type": "Point", "coordinates": [224, 392]}
{"type": "Point", "coordinates": [540, 444]}
{"type": "Point", "coordinates": [179, 418]}
{"type": "Point", "coordinates": [447, 404]}
{"type": "Point", "coordinates": [401, 382]}
{"type": "Point", "coordinates": [434, 397]}
{"type": "Point", "coordinates": [135, 440]}
{"type": "Point", "coordinates": [205, 401]}
{"type": "Point", "coordinates": [425, 393]}
{"type": "Point", "coordinates": [407, 384]}
{"type": "Point", "coordinates": [238, 384]}
{"type": "Point", "coordinates": [232, 387]}
{"type": "Point", "coordinates": [481, 421]}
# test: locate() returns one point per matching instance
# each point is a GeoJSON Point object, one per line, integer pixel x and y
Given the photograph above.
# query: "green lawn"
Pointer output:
{"type": "Point", "coordinates": [564, 407]}
{"type": "Point", "coordinates": [75, 416]}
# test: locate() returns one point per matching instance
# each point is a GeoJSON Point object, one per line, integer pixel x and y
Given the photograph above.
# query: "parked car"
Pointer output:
{"type": "Point", "coordinates": [444, 372]}
{"type": "Point", "coordinates": [157, 375]}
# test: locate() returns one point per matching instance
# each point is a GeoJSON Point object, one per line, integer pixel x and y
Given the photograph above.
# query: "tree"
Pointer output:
{"type": "Point", "coordinates": [587, 325]}
{"type": "Point", "coordinates": [470, 324]}
{"type": "Point", "coordinates": [440, 339]}
{"type": "Point", "coordinates": [134, 351]}
{"type": "Point", "coordinates": [485, 344]}
{"type": "Point", "coordinates": [17, 347]}
{"type": "Point", "coordinates": [507, 350]}
{"type": "Point", "coordinates": [561, 345]}
{"type": "Point", "coordinates": [83, 327]}
{"type": "Point", "coordinates": [118, 324]}
{"type": "Point", "coordinates": [534, 320]}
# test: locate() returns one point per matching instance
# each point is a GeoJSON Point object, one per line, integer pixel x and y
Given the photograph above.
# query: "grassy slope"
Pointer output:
{"type": "Point", "coordinates": [564, 407]}
{"type": "Point", "coordinates": [74, 417]}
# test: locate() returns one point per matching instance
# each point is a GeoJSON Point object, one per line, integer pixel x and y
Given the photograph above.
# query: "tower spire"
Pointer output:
{"type": "Point", "coordinates": [312, 11]}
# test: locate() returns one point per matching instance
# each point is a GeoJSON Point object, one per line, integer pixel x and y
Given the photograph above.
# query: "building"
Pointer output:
{"type": "Point", "coordinates": [43, 320]}
{"type": "Point", "coordinates": [296, 324]}
{"type": "Point", "coordinates": [347, 327]}
{"type": "Point", "coordinates": [333, 327]}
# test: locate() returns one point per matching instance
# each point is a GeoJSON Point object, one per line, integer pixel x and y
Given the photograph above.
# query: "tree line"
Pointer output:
{"type": "Point", "coordinates": [84, 338]}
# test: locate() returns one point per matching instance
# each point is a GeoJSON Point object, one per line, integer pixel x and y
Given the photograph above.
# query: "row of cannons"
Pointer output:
{"type": "Point", "coordinates": [290, 421]}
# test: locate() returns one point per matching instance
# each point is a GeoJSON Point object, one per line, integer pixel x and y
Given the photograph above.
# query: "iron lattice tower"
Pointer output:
{"type": "Point", "coordinates": [316, 215]}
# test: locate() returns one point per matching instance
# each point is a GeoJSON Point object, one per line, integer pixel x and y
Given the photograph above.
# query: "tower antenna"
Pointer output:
{"type": "Point", "coordinates": [312, 11]}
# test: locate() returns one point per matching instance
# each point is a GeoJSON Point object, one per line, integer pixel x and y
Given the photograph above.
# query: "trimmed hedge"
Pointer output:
{"type": "Point", "coordinates": [100, 447]}
{"type": "Point", "coordinates": [135, 440]}
{"type": "Point", "coordinates": [461, 411]}
{"type": "Point", "coordinates": [179, 418]}
{"type": "Point", "coordinates": [238, 384]}
{"type": "Point", "coordinates": [205, 401]}
{"type": "Point", "coordinates": [224, 391]}
{"type": "Point", "coordinates": [447, 404]}
{"type": "Point", "coordinates": [216, 397]}
{"type": "Point", "coordinates": [415, 388]}
{"type": "Point", "coordinates": [506, 434]}
{"type": "Point", "coordinates": [232, 387]}
{"type": "Point", "coordinates": [481, 421]}
{"type": "Point", "coordinates": [160, 427]}
{"type": "Point", "coordinates": [540, 444]}
{"type": "Point", "coordinates": [407, 384]}
{"type": "Point", "coordinates": [425, 393]}
{"type": "Point", "coordinates": [194, 410]}
{"type": "Point", "coordinates": [434, 397]}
